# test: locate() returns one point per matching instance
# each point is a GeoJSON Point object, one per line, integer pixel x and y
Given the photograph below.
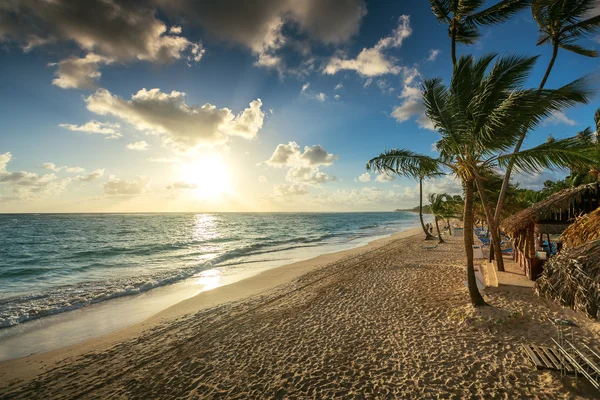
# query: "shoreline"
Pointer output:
{"type": "Point", "coordinates": [266, 280]}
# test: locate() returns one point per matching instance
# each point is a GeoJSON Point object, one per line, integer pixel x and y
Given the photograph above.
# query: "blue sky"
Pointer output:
{"type": "Point", "coordinates": [337, 82]}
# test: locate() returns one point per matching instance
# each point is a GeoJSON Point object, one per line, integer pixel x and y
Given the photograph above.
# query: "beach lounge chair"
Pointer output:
{"type": "Point", "coordinates": [485, 241]}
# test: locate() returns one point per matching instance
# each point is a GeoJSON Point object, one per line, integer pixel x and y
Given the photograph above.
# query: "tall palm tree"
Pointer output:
{"type": "Point", "coordinates": [464, 20]}
{"type": "Point", "coordinates": [479, 116]}
{"type": "Point", "coordinates": [420, 171]}
{"type": "Point", "coordinates": [561, 23]}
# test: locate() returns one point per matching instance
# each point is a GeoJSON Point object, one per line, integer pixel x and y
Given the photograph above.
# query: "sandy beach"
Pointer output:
{"type": "Point", "coordinates": [388, 320]}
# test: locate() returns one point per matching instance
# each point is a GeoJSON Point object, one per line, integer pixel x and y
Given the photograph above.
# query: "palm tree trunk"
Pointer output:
{"type": "Point", "coordinates": [428, 236]}
{"type": "Point", "coordinates": [453, 44]}
{"type": "Point", "coordinates": [509, 167]}
{"type": "Point", "coordinates": [437, 227]}
{"type": "Point", "coordinates": [492, 228]}
{"type": "Point", "coordinates": [476, 298]}
{"type": "Point", "coordinates": [449, 227]}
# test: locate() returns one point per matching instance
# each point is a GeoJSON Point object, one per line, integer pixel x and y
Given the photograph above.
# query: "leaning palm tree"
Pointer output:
{"type": "Point", "coordinates": [421, 171]}
{"type": "Point", "coordinates": [479, 116]}
{"type": "Point", "coordinates": [561, 23]}
{"type": "Point", "coordinates": [442, 207]}
{"type": "Point", "coordinates": [464, 19]}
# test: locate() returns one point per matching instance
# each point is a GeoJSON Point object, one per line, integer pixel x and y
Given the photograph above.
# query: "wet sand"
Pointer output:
{"type": "Point", "coordinates": [390, 320]}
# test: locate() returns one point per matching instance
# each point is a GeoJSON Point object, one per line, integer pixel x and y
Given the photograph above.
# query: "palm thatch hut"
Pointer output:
{"type": "Point", "coordinates": [585, 229]}
{"type": "Point", "coordinates": [572, 279]}
{"type": "Point", "coordinates": [551, 216]}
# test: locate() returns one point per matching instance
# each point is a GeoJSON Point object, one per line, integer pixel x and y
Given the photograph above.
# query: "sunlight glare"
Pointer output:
{"type": "Point", "coordinates": [209, 175]}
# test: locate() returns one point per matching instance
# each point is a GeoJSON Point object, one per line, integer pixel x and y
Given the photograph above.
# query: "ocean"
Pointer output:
{"type": "Point", "coordinates": [53, 263]}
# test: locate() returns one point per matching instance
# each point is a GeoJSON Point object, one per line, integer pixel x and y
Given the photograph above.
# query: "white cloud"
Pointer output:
{"type": "Point", "coordinates": [119, 30]}
{"type": "Point", "coordinates": [384, 178]}
{"type": "Point", "coordinates": [368, 82]}
{"type": "Point", "coordinates": [559, 117]}
{"type": "Point", "coordinates": [262, 26]}
{"type": "Point", "coordinates": [111, 131]}
{"type": "Point", "coordinates": [116, 186]}
{"type": "Point", "coordinates": [536, 181]}
{"type": "Point", "coordinates": [285, 190]}
{"type": "Point", "coordinates": [366, 177]}
{"type": "Point", "coordinates": [305, 87]}
{"type": "Point", "coordinates": [139, 146]}
{"type": "Point", "coordinates": [79, 73]}
{"type": "Point", "coordinates": [338, 86]}
{"type": "Point", "coordinates": [307, 175]}
{"type": "Point", "coordinates": [321, 97]}
{"type": "Point", "coordinates": [290, 155]}
{"type": "Point", "coordinates": [175, 30]}
{"type": "Point", "coordinates": [180, 125]}
{"type": "Point", "coordinates": [163, 160]}
{"type": "Point", "coordinates": [433, 53]}
{"type": "Point", "coordinates": [182, 185]}
{"type": "Point", "coordinates": [53, 167]}
{"type": "Point", "coordinates": [262, 179]}
{"type": "Point", "coordinates": [337, 97]}
{"type": "Point", "coordinates": [27, 185]}
{"type": "Point", "coordinates": [412, 101]}
{"type": "Point", "coordinates": [372, 61]}
{"type": "Point", "coordinates": [95, 174]}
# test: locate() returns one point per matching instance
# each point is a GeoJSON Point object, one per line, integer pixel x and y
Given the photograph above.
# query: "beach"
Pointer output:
{"type": "Point", "coordinates": [388, 320]}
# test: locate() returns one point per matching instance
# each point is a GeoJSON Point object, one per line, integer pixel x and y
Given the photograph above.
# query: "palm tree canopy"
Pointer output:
{"type": "Point", "coordinates": [405, 162]}
{"type": "Point", "coordinates": [563, 22]}
{"type": "Point", "coordinates": [464, 19]}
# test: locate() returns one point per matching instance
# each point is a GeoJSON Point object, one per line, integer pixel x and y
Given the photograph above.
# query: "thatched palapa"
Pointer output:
{"type": "Point", "coordinates": [586, 228]}
{"type": "Point", "coordinates": [551, 216]}
{"type": "Point", "coordinates": [572, 278]}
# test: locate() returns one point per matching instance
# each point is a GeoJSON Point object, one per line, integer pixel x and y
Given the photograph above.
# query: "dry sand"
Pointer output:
{"type": "Point", "coordinates": [390, 320]}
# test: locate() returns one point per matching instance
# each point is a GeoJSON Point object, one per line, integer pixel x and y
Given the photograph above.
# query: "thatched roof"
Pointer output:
{"type": "Point", "coordinates": [583, 230]}
{"type": "Point", "coordinates": [571, 278]}
{"type": "Point", "coordinates": [560, 202]}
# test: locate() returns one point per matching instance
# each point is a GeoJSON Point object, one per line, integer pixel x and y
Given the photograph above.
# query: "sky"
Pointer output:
{"type": "Point", "coordinates": [277, 105]}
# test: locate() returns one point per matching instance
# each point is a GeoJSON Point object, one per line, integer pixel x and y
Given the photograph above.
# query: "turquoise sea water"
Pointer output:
{"type": "Point", "coordinates": [55, 263]}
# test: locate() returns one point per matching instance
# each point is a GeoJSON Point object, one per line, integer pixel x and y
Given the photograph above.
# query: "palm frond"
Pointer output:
{"type": "Point", "coordinates": [497, 13]}
{"type": "Point", "coordinates": [441, 10]}
{"type": "Point", "coordinates": [597, 121]}
{"type": "Point", "coordinates": [583, 28]}
{"type": "Point", "coordinates": [577, 49]}
{"type": "Point", "coordinates": [571, 152]}
{"type": "Point", "coordinates": [404, 162]}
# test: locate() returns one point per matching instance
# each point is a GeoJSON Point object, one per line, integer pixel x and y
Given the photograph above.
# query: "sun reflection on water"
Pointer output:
{"type": "Point", "coordinates": [209, 279]}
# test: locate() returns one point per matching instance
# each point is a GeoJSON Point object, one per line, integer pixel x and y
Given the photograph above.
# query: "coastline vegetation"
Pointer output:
{"type": "Point", "coordinates": [485, 112]}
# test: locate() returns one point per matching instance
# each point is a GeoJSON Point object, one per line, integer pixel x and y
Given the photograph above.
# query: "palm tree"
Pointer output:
{"type": "Point", "coordinates": [464, 20]}
{"type": "Point", "coordinates": [442, 207]}
{"type": "Point", "coordinates": [479, 117]}
{"type": "Point", "coordinates": [562, 23]}
{"type": "Point", "coordinates": [420, 170]}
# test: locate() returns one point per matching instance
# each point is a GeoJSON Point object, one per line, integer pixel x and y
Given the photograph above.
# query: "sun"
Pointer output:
{"type": "Point", "coordinates": [208, 175]}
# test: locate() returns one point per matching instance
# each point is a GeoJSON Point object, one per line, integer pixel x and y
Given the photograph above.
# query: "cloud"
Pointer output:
{"type": "Point", "coordinates": [412, 104]}
{"type": "Point", "coordinates": [95, 174]}
{"type": "Point", "coordinates": [366, 177]}
{"type": "Point", "coordinates": [163, 160]}
{"type": "Point", "coordinates": [262, 179]}
{"type": "Point", "coordinates": [311, 95]}
{"type": "Point", "coordinates": [139, 146]}
{"type": "Point", "coordinates": [26, 185]}
{"type": "Point", "coordinates": [433, 53]}
{"type": "Point", "coordinates": [290, 155]}
{"type": "Point", "coordinates": [372, 61]}
{"type": "Point", "coordinates": [175, 30]}
{"type": "Point", "coordinates": [536, 181]}
{"type": "Point", "coordinates": [285, 190]}
{"type": "Point", "coordinates": [307, 175]}
{"type": "Point", "coordinates": [111, 131]}
{"type": "Point", "coordinates": [182, 185]}
{"type": "Point", "coordinates": [559, 117]}
{"type": "Point", "coordinates": [338, 86]}
{"type": "Point", "coordinates": [265, 27]}
{"type": "Point", "coordinates": [305, 87]}
{"type": "Point", "coordinates": [337, 97]}
{"type": "Point", "coordinates": [79, 73]}
{"type": "Point", "coordinates": [303, 165]}
{"type": "Point", "coordinates": [383, 178]}
{"type": "Point", "coordinates": [53, 167]}
{"type": "Point", "coordinates": [116, 186]}
{"type": "Point", "coordinates": [180, 125]}
{"type": "Point", "coordinates": [321, 97]}
{"type": "Point", "coordinates": [119, 30]}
